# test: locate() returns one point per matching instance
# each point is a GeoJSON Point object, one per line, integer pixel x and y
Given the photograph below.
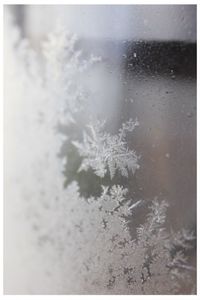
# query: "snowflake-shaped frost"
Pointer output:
{"type": "Point", "coordinates": [102, 151]}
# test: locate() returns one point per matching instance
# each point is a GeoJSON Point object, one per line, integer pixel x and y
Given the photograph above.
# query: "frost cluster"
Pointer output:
{"type": "Point", "coordinates": [65, 243]}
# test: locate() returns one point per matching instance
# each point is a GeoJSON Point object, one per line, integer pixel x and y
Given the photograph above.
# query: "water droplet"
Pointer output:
{"type": "Point", "coordinates": [189, 114]}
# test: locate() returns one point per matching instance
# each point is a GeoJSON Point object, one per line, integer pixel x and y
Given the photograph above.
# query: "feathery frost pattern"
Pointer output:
{"type": "Point", "coordinates": [77, 245]}
{"type": "Point", "coordinates": [64, 67]}
{"type": "Point", "coordinates": [102, 151]}
{"type": "Point", "coordinates": [104, 255]}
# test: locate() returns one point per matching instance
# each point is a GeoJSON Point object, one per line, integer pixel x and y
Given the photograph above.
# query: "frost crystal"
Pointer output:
{"type": "Point", "coordinates": [102, 151]}
{"type": "Point", "coordinates": [64, 68]}
{"type": "Point", "coordinates": [95, 242]}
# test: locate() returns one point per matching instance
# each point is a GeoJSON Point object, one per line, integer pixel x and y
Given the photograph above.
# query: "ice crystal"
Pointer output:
{"type": "Point", "coordinates": [95, 242]}
{"type": "Point", "coordinates": [102, 151]}
{"type": "Point", "coordinates": [64, 68]}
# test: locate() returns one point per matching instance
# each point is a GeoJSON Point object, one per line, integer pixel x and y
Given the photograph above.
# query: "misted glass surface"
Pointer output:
{"type": "Point", "coordinates": [100, 149]}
